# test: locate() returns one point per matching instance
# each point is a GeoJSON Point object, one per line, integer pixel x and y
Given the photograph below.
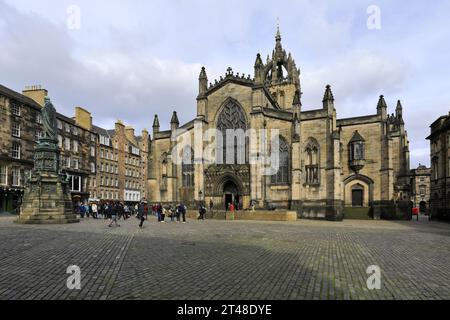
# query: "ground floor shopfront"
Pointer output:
{"type": "Point", "coordinates": [10, 200]}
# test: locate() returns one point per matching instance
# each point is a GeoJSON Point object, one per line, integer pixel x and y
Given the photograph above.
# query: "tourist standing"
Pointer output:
{"type": "Point", "coordinates": [202, 212]}
{"type": "Point", "coordinates": [211, 206]}
{"type": "Point", "coordinates": [182, 209]}
{"type": "Point", "coordinates": [82, 211]}
{"type": "Point", "coordinates": [172, 213]}
{"type": "Point", "coordinates": [163, 214]}
{"type": "Point", "coordinates": [94, 209]}
{"type": "Point", "coordinates": [159, 211]}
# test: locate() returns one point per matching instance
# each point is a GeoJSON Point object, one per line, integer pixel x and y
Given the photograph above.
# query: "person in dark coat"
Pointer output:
{"type": "Point", "coordinates": [182, 209]}
{"type": "Point", "coordinates": [113, 214]}
{"type": "Point", "coordinates": [142, 212]}
{"type": "Point", "coordinates": [159, 211]}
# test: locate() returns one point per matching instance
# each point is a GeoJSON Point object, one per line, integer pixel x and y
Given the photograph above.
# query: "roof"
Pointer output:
{"type": "Point", "coordinates": [19, 97]}
{"type": "Point", "coordinates": [440, 125]}
{"type": "Point", "coordinates": [100, 131]}
{"type": "Point", "coordinates": [64, 118]}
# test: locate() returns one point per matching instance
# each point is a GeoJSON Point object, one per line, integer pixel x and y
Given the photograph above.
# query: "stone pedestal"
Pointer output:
{"type": "Point", "coordinates": [47, 195]}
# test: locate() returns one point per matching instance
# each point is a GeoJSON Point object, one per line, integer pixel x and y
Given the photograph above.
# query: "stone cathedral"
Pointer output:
{"type": "Point", "coordinates": [326, 164]}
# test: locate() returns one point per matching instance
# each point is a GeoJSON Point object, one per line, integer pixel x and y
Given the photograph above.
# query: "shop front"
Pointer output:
{"type": "Point", "coordinates": [10, 200]}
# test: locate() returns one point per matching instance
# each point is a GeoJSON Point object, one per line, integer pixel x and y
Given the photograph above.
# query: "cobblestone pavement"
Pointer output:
{"type": "Point", "coordinates": [226, 260]}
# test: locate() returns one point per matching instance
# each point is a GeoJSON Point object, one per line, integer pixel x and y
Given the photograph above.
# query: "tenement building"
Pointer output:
{"type": "Point", "coordinates": [100, 164]}
{"type": "Point", "coordinates": [22, 129]}
{"type": "Point", "coordinates": [121, 164]}
{"type": "Point", "coordinates": [326, 164]}
{"type": "Point", "coordinates": [440, 167]}
{"type": "Point", "coordinates": [420, 188]}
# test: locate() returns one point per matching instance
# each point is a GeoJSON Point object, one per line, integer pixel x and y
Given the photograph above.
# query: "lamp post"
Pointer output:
{"type": "Point", "coordinates": [200, 197]}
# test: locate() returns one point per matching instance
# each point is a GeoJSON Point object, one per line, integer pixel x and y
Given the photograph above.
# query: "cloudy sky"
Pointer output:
{"type": "Point", "coordinates": [132, 59]}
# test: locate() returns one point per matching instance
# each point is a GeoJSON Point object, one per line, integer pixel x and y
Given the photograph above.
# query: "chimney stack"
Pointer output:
{"type": "Point", "coordinates": [36, 93]}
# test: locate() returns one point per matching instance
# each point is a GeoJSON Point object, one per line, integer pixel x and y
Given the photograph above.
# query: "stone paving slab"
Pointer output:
{"type": "Point", "coordinates": [226, 260]}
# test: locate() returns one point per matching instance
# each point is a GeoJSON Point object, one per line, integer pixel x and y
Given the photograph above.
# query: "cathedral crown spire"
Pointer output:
{"type": "Point", "coordinates": [278, 46]}
{"type": "Point", "coordinates": [278, 36]}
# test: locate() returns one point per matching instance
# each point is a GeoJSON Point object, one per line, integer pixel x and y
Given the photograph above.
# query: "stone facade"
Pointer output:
{"type": "Point", "coordinates": [440, 167]}
{"type": "Point", "coordinates": [122, 164]}
{"type": "Point", "coordinates": [100, 164]}
{"type": "Point", "coordinates": [327, 163]}
{"type": "Point", "coordinates": [420, 188]}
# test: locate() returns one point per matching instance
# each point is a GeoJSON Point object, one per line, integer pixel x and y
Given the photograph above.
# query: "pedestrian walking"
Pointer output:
{"type": "Point", "coordinates": [142, 213]}
{"type": "Point", "coordinates": [112, 212]}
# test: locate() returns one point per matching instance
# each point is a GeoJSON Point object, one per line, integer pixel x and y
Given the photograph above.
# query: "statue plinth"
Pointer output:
{"type": "Point", "coordinates": [47, 197]}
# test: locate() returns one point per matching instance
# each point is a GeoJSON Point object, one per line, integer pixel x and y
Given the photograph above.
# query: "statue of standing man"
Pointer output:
{"type": "Point", "coordinates": [49, 120]}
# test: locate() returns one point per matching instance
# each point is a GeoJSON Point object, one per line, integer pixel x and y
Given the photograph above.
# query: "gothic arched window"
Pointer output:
{"type": "Point", "coordinates": [233, 126]}
{"type": "Point", "coordinates": [187, 167]}
{"type": "Point", "coordinates": [312, 162]}
{"type": "Point", "coordinates": [282, 176]}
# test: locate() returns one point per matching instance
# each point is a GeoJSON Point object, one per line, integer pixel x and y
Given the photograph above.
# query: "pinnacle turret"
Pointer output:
{"type": "Point", "coordinates": [203, 82]}
{"type": "Point", "coordinates": [175, 118]}
{"type": "Point", "coordinates": [156, 122]}
{"type": "Point", "coordinates": [297, 98]}
{"type": "Point", "coordinates": [381, 103]}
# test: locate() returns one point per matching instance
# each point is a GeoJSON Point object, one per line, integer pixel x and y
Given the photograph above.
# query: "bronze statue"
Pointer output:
{"type": "Point", "coordinates": [49, 119]}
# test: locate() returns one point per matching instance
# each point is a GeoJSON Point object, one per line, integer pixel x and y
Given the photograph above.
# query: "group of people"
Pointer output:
{"type": "Point", "coordinates": [104, 210]}
{"type": "Point", "coordinates": [115, 210]}
{"type": "Point", "coordinates": [172, 211]}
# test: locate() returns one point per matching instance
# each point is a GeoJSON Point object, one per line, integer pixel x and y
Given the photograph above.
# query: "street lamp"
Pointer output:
{"type": "Point", "coordinates": [200, 195]}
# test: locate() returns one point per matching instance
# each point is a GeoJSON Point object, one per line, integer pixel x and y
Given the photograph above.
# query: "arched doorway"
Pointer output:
{"type": "Point", "coordinates": [357, 195]}
{"type": "Point", "coordinates": [423, 206]}
{"type": "Point", "coordinates": [231, 194]}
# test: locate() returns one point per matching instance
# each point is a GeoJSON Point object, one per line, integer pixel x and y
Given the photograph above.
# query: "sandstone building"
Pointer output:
{"type": "Point", "coordinates": [440, 167]}
{"type": "Point", "coordinates": [101, 164]}
{"type": "Point", "coordinates": [326, 163]}
{"type": "Point", "coordinates": [420, 187]}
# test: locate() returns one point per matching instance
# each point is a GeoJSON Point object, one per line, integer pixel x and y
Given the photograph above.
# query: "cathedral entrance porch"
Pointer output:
{"type": "Point", "coordinates": [231, 196]}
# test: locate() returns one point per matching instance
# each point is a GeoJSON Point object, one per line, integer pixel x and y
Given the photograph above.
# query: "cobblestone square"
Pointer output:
{"type": "Point", "coordinates": [226, 260]}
